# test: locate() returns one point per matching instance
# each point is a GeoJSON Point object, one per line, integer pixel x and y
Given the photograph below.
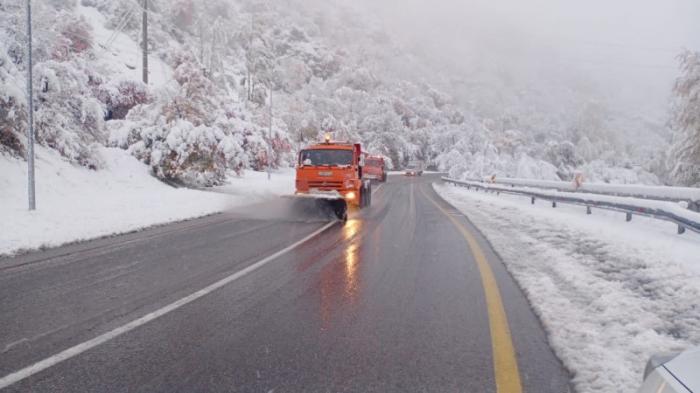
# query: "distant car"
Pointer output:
{"type": "Point", "coordinates": [678, 373]}
{"type": "Point", "coordinates": [414, 169]}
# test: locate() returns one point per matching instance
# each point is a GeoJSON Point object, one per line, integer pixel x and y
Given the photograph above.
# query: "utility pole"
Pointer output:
{"type": "Point", "coordinates": [30, 111]}
{"type": "Point", "coordinates": [250, 61]}
{"type": "Point", "coordinates": [269, 163]}
{"type": "Point", "coordinates": [144, 29]}
{"type": "Point", "coordinates": [201, 40]}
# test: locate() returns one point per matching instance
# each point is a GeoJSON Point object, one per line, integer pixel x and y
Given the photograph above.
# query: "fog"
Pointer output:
{"type": "Point", "coordinates": [622, 51]}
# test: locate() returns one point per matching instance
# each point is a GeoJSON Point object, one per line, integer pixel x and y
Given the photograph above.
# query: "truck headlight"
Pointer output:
{"type": "Point", "coordinates": [351, 195]}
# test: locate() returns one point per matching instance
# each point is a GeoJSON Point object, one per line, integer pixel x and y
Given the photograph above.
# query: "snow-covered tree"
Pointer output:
{"type": "Point", "coordinates": [329, 65]}
{"type": "Point", "coordinates": [68, 117]}
{"type": "Point", "coordinates": [685, 154]}
{"type": "Point", "coordinates": [12, 108]}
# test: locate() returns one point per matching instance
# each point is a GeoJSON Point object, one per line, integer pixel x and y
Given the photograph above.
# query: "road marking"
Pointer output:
{"type": "Point", "coordinates": [80, 348]}
{"type": "Point", "coordinates": [505, 362]}
{"type": "Point", "coordinates": [377, 189]}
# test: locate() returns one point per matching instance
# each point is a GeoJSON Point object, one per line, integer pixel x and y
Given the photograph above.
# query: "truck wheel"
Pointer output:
{"type": "Point", "coordinates": [364, 196]}
{"type": "Point", "coordinates": [369, 195]}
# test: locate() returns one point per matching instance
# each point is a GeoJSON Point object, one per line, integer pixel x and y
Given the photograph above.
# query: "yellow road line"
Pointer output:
{"type": "Point", "coordinates": [505, 362]}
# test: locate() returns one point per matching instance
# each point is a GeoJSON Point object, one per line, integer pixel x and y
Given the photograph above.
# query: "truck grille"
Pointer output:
{"type": "Point", "coordinates": [326, 185]}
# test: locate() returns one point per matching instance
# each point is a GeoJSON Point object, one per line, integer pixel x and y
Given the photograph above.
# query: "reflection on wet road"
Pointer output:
{"type": "Point", "coordinates": [338, 281]}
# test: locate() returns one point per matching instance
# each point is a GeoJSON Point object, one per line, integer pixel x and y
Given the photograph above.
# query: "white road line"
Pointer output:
{"type": "Point", "coordinates": [80, 348]}
{"type": "Point", "coordinates": [377, 189]}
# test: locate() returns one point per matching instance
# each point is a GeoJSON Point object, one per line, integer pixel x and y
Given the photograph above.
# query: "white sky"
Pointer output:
{"type": "Point", "coordinates": [625, 47]}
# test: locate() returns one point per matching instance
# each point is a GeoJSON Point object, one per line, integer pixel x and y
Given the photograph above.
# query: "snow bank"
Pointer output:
{"type": "Point", "coordinates": [119, 55]}
{"type": "Point", "coordinates": [74, 203]}
{"type": "Point", "coordinates": [609, 293]}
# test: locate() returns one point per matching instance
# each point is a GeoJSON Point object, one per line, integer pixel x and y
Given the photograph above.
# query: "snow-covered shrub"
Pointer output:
{"type": "Point", "coordinates": [175, 150]}
{"type": "Point", "coordinates": [602, 172]}
{"type": "Point", "coordinates": [68, 117]}
{"type": "Point", "coordinates": [564, 157]}
{"type": "Point", "coordinates": [120, 96]}
{"type": "Point", "coordinates": [527, 167]}
{"type": "Point", "coordinates": [194, 134]}
{"type": "Point", "coordinates": [454, 163]}
{"type": "Point", "coordinates": [74, 37]}
{"type": "Point", "coordinates": [292, 74]}
{"type": "Point", "coordinates": [12, 108]}
{"type": "Point", "coordinates": [359, 79]}
{"type": "Point", "coordinates": [326, 66]}
{"type": "Point", "coordinates": [190, 153]}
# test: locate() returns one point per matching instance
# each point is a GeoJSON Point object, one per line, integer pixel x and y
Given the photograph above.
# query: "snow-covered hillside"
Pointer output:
{"type": "Point", "coordinates": [216, 67]}
{"type": "Point", "coordinates": [211, 83]}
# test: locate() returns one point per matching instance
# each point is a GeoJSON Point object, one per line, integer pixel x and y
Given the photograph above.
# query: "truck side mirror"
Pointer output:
{"type": "Point", "coordinates": [362, 161]}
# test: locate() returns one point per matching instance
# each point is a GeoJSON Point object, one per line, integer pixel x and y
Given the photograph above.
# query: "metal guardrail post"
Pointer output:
{"type": "Point", "coordinates": [589, 210]}
{"type": "Point", "coordinates": [629, 217]}
{"type": "Point", "coordinates": [694, 206]}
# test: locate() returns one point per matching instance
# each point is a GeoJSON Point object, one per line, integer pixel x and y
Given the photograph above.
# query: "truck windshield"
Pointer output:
{"type": "Point", "coordinates": [326, 157]}
{"type": "Point", "coordinates": [374, 162]}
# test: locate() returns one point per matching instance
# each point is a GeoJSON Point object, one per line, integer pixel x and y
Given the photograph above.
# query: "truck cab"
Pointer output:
{"type": "Point", "coordinates": [333, 170]}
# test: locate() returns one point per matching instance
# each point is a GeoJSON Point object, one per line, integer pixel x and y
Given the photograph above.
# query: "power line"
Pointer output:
{"type": "Point", "coordinates": [120, 26]}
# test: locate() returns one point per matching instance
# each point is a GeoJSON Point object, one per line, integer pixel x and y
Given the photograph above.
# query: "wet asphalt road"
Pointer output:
{"type": "Point", "coordinates": [392, 301]}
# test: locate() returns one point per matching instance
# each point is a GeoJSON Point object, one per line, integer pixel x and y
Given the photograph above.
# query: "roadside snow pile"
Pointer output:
{"type": "Point", "coordinates": [74, 203]}
{"type": "Point", "coordinates": [609, 293]}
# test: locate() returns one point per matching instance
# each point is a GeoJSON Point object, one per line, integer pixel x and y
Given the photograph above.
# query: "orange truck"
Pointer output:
{"type": "Point", "coordinates": [331, 173]}
{"type": "Point", "coordinates": [374, 169]}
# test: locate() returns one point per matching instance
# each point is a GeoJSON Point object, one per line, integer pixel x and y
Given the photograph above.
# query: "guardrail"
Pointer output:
{"type": "Point", "coordinates": [659, 209]}
{"type": "Point", "coordinates": [661, 193]}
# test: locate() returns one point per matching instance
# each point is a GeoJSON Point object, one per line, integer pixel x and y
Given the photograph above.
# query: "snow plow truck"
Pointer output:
{"type": "Point", "coordinates": [330, 174]}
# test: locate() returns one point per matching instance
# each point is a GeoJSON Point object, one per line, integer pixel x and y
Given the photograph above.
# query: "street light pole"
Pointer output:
{"type": "Point", "coordinates": [30, 112]}
{"type": "Point", "coordinates": [144, 32]}
{"type": "Point", "coordinates": [269, 161]}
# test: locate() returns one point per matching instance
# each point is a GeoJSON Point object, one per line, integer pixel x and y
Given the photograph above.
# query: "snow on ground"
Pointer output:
{"type": "Point", "coordinates": [609, 293]}
{"type": "Point", "coordinates": [120, 54]}
{"type": "Point", "coordinates": [75, 204]}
